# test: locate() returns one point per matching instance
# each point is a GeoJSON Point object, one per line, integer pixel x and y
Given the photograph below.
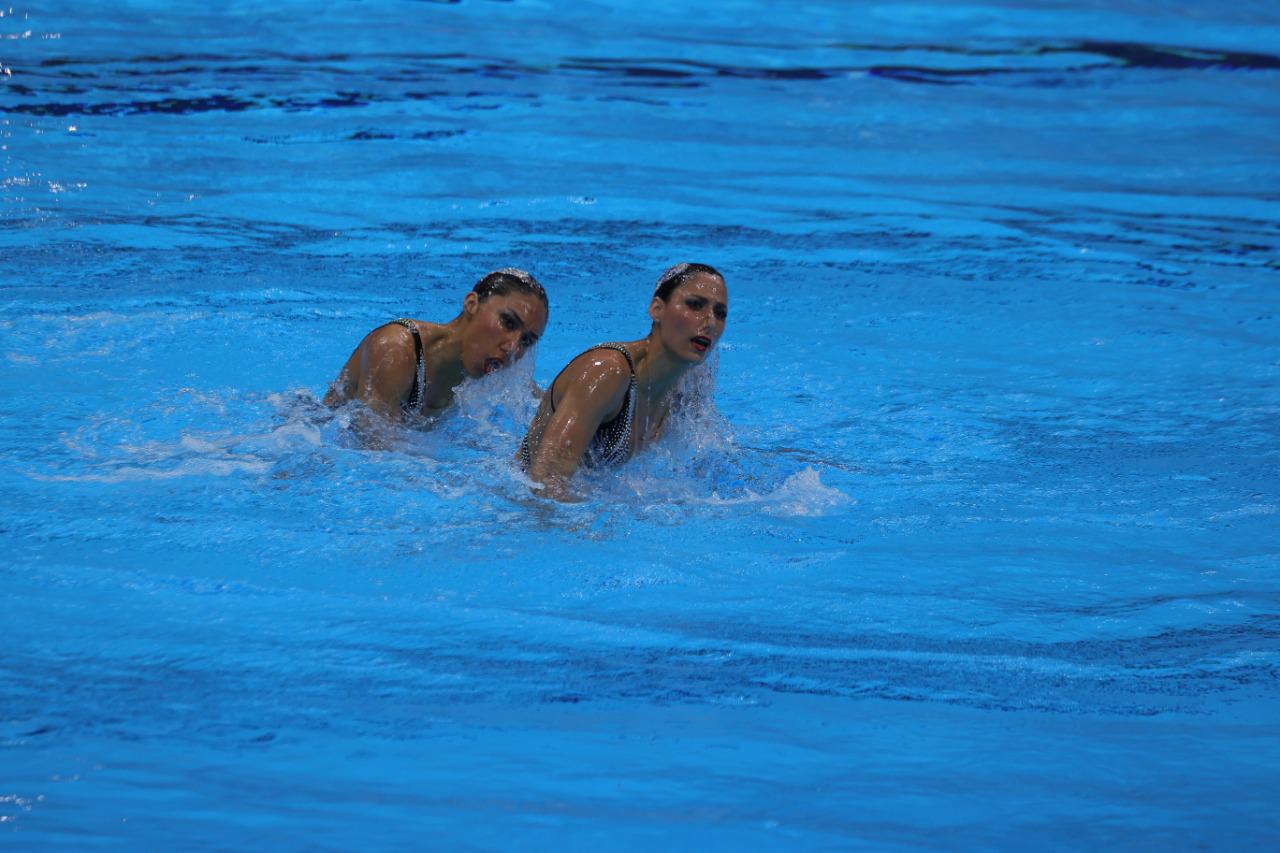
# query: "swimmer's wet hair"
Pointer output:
{"type": "Point", "coordinates": [503, 281]}
{"type": "Point", "coordinates": [678, 275]}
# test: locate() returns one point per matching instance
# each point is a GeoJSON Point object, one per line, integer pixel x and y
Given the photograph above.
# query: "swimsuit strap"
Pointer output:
{"type": "Point", "coordinates": [415, 401]}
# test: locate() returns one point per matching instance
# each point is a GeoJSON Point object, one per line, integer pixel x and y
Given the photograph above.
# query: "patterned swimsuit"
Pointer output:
{"type": "Point", "coordinates": [413, 405]}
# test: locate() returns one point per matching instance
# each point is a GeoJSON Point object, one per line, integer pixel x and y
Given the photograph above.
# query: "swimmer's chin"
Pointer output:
{"type": "Point", "coordinates": [484, 368]}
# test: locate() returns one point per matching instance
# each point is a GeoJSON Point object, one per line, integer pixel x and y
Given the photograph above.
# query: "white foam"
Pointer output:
{"type": "Point", "coordinates": [133, 473]}
{"type": "Point", "coordinates": [804, 494]}
{"type": "Point", "coordinates": [191, 453]}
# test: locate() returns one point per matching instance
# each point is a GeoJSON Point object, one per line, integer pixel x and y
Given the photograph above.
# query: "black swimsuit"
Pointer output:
{"type": "Point", "coordinates": [413, 405]}
{"type": "Point", "coordinates": [611, 445]}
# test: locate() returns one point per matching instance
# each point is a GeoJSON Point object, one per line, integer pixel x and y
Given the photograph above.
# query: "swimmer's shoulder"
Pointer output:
{"type": "Point", "coordinates": [394, 338]}
{"type": "Point", "coordinates": [382, 367]}
{"type": "Point", "coordinates": [602, 362]}
{"type": "Point", "coordinates": [600, 375]}
{"type": "Point", "coordinates": [388, 345]}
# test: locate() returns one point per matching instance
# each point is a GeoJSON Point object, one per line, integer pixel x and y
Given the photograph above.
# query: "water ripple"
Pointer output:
{"type": "Point", "coordinates": [53, 77]}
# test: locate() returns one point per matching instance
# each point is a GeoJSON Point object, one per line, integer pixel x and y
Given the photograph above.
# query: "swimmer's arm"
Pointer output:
{"type": "Point", "coordinates": [589, 394]}
{"type": "Point", "coordinates": [380, 373]}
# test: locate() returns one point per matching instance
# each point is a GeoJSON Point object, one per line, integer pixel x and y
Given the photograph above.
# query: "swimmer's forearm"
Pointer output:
{"type": "Point", "coordinates": [559, 451]}
{"type": "Point", "coordinates": [553, 471]}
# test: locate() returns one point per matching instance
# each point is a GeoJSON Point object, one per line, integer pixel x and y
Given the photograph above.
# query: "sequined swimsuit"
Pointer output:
{"type": "Point", "coordinates": [611, 445]}
{"type": "Point", "coordinates": [413, 405]}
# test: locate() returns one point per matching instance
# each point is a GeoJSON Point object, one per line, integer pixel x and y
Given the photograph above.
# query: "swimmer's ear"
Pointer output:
{"type": "Point", "coordinates": [470, 304]}
{"type": "Point", "coordinates": [655, 309]}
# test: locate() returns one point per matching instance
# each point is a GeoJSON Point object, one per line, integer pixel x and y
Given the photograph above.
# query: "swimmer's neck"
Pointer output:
{"type": "Point", "coordinates": [442, 351]}
{"type": "Point", "coordinates": [658, 370]}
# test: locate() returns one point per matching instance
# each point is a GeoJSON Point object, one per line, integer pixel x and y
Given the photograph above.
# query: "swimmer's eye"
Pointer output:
{"type": "Point", "coordinates": [697, 303]}
{"type": "Point", "coordinates": [528, 340]}
{"type": "Point", "coordinates": [509, 322]}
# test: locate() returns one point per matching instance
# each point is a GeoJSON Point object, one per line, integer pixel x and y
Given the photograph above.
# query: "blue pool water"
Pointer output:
{"type": "Point", "coordinates": [978, 548]}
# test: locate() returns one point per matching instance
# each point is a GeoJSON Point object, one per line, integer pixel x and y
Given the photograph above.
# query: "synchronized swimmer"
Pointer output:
{"type": "Point", "coordinates": [411, 368]}
{"type": "Point", "coordinates": [606, 405]}
{"type": "Point", "coordinates": [613, 399]}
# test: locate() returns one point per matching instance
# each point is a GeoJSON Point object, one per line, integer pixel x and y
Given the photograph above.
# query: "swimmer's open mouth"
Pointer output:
{"type": "Point", "coordinates": [701, 343]}
{"type": "Point", "coordinates": [492, 364]}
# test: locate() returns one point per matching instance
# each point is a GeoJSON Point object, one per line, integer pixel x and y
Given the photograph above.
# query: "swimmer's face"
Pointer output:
{"type": "Point", "coordinates": [499, 330]}
{"type": "Point", "coordinates": [692, 319]}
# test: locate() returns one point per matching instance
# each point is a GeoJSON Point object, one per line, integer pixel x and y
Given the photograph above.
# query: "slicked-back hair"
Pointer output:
{"type": "Point", "coordinates": [503, 281]}
{"type": "Point", "coordinates": [678, 275]}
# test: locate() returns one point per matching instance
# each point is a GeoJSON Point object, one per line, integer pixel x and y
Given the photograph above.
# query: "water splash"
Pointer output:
{"type": "Point", "coordinates": [494, 411]}
{"type": "Point", "coordinates": [698, 462]}
{"type": "Point", "coordinates": [191, 454]}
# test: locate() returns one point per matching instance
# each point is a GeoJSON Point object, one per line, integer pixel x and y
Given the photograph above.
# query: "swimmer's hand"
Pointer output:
{"type": "Point", "coordinates": [370, 429]}
{"type": "Point", "coordinates": [557, 489]}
